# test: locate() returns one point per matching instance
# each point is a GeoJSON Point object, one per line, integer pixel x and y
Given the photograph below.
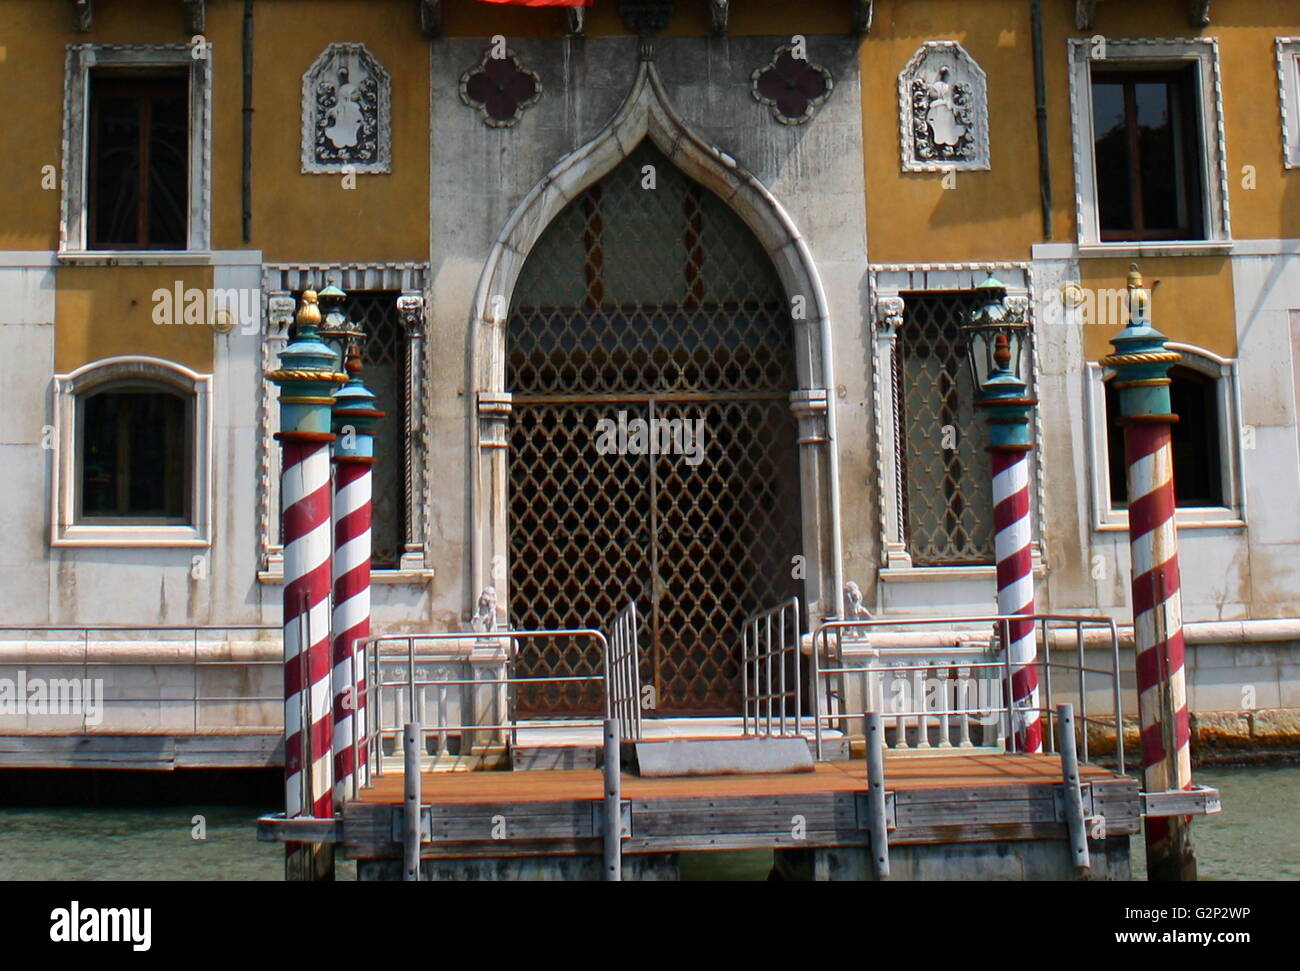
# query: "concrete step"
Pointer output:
{"type": "Point", "coordinates": [720, 756]}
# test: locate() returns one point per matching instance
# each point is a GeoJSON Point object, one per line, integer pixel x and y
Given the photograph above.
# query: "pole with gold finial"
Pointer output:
{"type": "Point", "coordinates": [1141, 364]}
{"type": "Point", "coordinates": [306, 377]}
{"type": "Point", "coordinates": [355, 418]}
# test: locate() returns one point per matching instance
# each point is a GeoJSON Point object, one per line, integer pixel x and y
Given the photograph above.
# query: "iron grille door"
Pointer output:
{"type": "Point", "coordinates": [648, 299]}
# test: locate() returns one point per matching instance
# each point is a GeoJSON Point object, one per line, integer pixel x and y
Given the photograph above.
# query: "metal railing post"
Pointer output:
{"type": "Point", "coordinates": [613, 800]}
{"type": "Point", "coordinates": [876, 808]}
{"type": "Point", "coordinates": [1073, 793]}
{"type": "Point", "coordinates": [411, 787]}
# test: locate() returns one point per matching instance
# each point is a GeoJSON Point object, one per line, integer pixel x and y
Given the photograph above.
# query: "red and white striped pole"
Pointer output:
{"type": "Point", "coordinates": [355, 418]}
{"type": "Point", "coordinates": [1141, 364]}
{"type": "Point", "coordinates": [306, 376]}
{"type": "Point", "coordinates": [1003, 395]}
{"type": "Point", "coordinates": [1015, 573]}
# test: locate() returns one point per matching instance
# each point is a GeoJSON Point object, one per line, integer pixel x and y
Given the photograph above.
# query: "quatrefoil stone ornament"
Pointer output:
{"type": "Point", "coordinates": [791, 86]}
{"type": "Point", "coordinates": [500, 89]}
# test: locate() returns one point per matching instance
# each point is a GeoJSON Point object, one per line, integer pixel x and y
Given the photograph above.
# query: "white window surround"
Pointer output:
{"type": "Point", "coordinates": [68, 388]}
{"type": "Point", "coordinates": [1288, 80]}
{"type": "Point", "coordinates": [279, 282]}
{"type": "Point", "coordinates": [1228, 397]}
{"type": "Point", "coordinates": [889, 285]}
{"type": "Point", "coordinates": [76, 145]}
{"type": "Point", "coordinates": [1140, 52]}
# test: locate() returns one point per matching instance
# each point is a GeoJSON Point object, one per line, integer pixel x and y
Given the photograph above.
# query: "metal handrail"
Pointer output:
{"type": "Point", "coordinates": [374, 732]}
{"type": "Point", "coordinates": [759, 653]}
{"type": "Point", "coordinates": [1001, 633]}
{"type": "Point", "coordinates": [625, 672]}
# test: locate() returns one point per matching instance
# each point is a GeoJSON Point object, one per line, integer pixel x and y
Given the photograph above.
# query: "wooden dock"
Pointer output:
{"type": "Point", "coordinates": [963, 809]}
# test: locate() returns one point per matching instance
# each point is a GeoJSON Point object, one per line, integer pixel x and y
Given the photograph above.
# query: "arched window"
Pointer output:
{"type": "Point", "coordinates": [1198, 458]}
{"type": "Point", "coordinates": [1206, 442]}
{"type": "Point", "coordinates": [132, 461]}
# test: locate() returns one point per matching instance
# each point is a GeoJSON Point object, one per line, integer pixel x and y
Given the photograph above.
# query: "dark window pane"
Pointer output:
{"type": "Point", "coordinates": [1198, 479]}
{"type": "Point", "coordinates": [1112, 154]}
{"type": "Point", "coordinates": [1198, 472]}
{"type": "Point", "coordinates": [138, 168]}
{"type": "Point", "coordinates": [1148, 159]}
{"type": "Point", "coordinates": [134, 455]}
{"type": "Point", "coordinates": [116, 186]}
{"type": "Point", "coordinates": [1157, 157]}
{"type": "Point", "coordinates": [168, 172]}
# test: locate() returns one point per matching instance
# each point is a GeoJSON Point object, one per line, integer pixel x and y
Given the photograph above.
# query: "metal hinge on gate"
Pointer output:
{"type": "Point", "coordinates": [1196, 801]}
{"type": "Point", "coordinates": [624, 815]}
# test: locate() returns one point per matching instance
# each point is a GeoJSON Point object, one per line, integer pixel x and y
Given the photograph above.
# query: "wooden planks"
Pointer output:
{"type": "Point", "coordinates": [935, 800]}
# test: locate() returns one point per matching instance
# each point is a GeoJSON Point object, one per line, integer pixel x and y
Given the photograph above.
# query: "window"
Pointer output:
{"type": "Point", "coordinates": [384, 358]}
{"type": "Point", "coordinates": [136, 152]}
{"type": "Point", "coordinates": [1147, 121]}
{"type": "Point", "coordinates": [1198, 475]}
{"type": "Point", "coordinates": [1288, 80]}
{"type": "Point", "coordinates": [1148, 162]}
{"type": "Point", "coordinates": [946, 473]}
{"type": "Point", "coordinates": [133, 455]}
{"type": "Point", "coordinates": [139, 143]}
{"type": "Point", "coordinates": [1207, 473]}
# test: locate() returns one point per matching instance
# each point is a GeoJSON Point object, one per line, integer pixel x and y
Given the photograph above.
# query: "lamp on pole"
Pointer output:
{"type": "Point", "coordinates": [997, 337]}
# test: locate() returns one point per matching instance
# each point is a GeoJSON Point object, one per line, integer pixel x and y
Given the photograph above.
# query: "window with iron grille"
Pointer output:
{"type": "Point", "coordinates": [384, 356]}
{"type": "Point", "coordinates": [947, 498]}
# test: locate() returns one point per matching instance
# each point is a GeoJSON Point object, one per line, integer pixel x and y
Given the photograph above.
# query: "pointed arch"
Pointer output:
{"type": "Point", "coordinates": [646, 112]}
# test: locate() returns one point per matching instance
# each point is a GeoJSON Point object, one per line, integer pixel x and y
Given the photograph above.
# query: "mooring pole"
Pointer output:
{"type": "Point", "coordinates": [1003, 394]}
{"type": "Point", "coordinates": [1141, 364]}
{"type": "Point", "coordinates": [306, 376]}
{"type": "Point", "coordinates": [354, 421]}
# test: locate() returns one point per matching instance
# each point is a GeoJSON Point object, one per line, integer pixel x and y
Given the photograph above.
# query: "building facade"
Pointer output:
{"type": "Point", "coordinates": [661, 301]}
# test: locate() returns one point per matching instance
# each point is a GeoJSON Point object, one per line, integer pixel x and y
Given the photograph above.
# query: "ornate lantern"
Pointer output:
{"type": "Point", "coordinates": [997, 336]}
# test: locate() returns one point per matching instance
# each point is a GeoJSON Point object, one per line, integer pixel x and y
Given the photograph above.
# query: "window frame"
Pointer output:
{"type": "Point", "coordinates": [1123, 54]}
{"type": "Point", "coordinates": [67, 528]}
{"type": "Point", "coordinates": [410, 281]}
{"type": "Point", "coordinates": [1288, 80]}
{"type": "Point", "coordinates": [890, 285]}
{"type": "Point", "coordinates": [74, 241]}
{"type": "Point", "coordinates": [1227, 393]}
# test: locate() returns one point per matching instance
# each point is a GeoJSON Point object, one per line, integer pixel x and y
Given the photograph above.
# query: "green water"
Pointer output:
{"type": "Point", "coordinates": [1255, 838]}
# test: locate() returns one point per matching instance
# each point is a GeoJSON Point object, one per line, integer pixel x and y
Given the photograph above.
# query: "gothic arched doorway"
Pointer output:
{"type": "Point", "coordinates": [653, 453]}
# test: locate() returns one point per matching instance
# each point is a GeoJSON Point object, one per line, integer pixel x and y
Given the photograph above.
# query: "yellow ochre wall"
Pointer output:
{"type": "Point", "coordinates": [991, 215]}
{"type": "Point", "coordinates": [105, 311]}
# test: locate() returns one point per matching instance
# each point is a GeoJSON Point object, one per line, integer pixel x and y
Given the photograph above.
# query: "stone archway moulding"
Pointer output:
{"type": "Point", "coordinates": [647, 112]}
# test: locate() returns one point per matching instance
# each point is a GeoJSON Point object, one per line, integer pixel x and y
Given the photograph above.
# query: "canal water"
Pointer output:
{"type": "Point", "coordinates": [1257, 837]}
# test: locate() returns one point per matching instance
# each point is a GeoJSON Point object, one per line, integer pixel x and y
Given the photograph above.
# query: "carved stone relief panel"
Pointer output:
{"type": "Point", "coordinates": [943, 110]}
{"type": "Point", "coordinates": [346, 114]}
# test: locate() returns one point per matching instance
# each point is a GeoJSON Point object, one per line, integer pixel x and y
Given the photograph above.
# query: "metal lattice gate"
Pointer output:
{"type": "Point", "coordinates": [648, 300]}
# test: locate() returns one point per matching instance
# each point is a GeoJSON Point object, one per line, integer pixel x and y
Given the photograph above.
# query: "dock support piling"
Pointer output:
{"type": "Point", "coordinates": [613, 819]}
{"type": "Point", "coordinates": [1073, 793]}
{"type": "Point", "coordinates": [876, 795]}
{"type": "Point", "coordinates": [411, 787]}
